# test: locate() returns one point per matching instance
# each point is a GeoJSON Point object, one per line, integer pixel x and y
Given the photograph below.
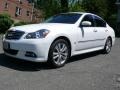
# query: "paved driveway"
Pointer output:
{"type": "Point", "coordinates": [93, 71]}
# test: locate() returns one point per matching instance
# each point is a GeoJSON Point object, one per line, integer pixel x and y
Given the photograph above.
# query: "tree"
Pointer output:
{"type": "Point", "coordinates": [49, 7]}
{"type": "Point", "coordinates": [64, 6]}
{"type": "Point", "coordinates": [75, 6]}
{"type": "Point", "coordinates": [104, 8]}
{"type": "Point", "coordinates": [5, 22]}
{"type": "Point", "coordinates": [95, 6]}
{"type": "Point", "coordinates": [111, 16]}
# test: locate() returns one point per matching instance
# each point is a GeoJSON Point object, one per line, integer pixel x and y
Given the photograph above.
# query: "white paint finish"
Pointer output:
{"type": "Point", "coordinates": [85, 39]}
{"type": "Point", "coordinates": [82, 40]}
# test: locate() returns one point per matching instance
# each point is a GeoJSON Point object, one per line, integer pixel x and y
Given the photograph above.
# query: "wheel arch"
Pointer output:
{"type": "Point", "coordinates": [110, 39]}
{"type": "Point", "coordinates": [64, 38]}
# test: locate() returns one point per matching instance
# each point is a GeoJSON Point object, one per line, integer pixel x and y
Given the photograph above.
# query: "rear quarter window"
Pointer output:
{"type": "Point", "coordinates": [99, 22]}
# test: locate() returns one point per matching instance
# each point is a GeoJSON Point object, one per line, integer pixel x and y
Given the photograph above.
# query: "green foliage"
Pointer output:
{"type": "Point", "coordinates": [76, 6]}
{"type": "Point", "coordinates": [104, 8]}
{"type": "Point", "coordinates": [64, 5]}
{"type": "Point", "coordinates": [111, 16]}
{"type": "Point", "coordinates": [112, 20]}
{"type": "Point", "coordinates": [50, 7]}
{"type": "Point", "coordinates": [21, 23]}
{"type": "Point", "coordinates": [98, 7]}
{"type": "Point", "coordinates": [118, 30]}
{"type": "Point", "coordinates": [5, 22]}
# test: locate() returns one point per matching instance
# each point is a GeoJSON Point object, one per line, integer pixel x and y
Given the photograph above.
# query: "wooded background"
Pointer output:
{"type": "Point", "coordinates": [107, 9]}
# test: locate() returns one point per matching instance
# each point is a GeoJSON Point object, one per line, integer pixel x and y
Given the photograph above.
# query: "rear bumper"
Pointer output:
{"type": "Point", "coordinates": [113, 40]}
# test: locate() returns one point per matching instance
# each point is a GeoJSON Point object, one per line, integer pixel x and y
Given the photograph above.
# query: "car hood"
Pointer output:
{"type": "Point", "coordinates": [36, 27]}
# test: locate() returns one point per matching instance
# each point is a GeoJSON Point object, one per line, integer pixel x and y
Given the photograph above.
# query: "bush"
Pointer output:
{"type": "Point", "coordinates": [118, 30]}
{"type": "Point", "coordinates": [5, 22]}
{"type": "Point", "coordinates": [21, 23]}
{"type": "Point", "coordinates": [112, 20]}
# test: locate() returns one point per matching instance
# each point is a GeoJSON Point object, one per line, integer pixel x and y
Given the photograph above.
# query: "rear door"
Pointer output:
{"type": "Point", "coordinates": [100, 31]}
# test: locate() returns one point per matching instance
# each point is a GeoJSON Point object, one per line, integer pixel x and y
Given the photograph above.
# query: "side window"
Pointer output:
{"type": "Point", "coordinates": [99, 22]}
{"type": "Point", "coordinates": [90, 19]}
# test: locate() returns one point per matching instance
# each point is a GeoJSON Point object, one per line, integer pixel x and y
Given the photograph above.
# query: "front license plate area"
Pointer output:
{"type": "Point", "coordinates": [6, 45]}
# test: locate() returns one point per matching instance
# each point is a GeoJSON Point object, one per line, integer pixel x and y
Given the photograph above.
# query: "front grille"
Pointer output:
{"type": "Point", "coordinates": [11, 51]}
{"type": "Point", "coordinates": [14, 35]}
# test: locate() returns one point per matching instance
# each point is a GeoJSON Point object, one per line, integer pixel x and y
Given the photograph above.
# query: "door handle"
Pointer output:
{"type": "Point", "coordinates": [106, 30]}
{"type": "Point", "coordinates": [95, 30]}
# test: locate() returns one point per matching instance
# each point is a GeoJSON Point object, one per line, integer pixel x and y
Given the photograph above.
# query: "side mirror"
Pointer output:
{"type": "Point", "coordinates": [86, 24]}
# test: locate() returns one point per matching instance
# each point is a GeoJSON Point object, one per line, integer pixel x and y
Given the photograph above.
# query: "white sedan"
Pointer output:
{"type": "Point", "coordinates": [59, 38]}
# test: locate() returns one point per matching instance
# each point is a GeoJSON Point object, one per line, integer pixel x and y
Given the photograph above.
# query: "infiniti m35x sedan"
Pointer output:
{"type": "Point", "coordinates": [58, 38]}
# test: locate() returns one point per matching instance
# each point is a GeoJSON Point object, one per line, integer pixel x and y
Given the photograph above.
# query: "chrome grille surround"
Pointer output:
{"type": "Point", "coordinates": [14, 35]}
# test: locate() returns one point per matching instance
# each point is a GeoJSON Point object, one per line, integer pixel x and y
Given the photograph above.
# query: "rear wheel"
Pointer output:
{"type": "Point", "coordinates": [108, 46]}
{"type": "Point", "coordinates": [59, 53]}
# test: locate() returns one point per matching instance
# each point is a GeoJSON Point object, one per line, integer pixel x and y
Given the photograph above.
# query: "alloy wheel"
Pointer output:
{"type": "Point", "coordinates": [60, 53]}
{"type": "Point", "coordinates": [108, 46]}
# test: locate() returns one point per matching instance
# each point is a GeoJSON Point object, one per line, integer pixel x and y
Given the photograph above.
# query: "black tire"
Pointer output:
{"type": "Point", "coordinates": [59, 53]}
{"type": "Point", "coordinates": [108, 46]}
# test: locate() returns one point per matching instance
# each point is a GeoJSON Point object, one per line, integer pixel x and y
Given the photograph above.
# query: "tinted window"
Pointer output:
{"type": "Point", "coordinates": [90, 19]}
{"type": "Point", "coordinates": [64, 18]}
{"type": "Point", "coordinates": [99, 22]}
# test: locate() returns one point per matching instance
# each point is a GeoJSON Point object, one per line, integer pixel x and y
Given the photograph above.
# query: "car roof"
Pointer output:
{"type": "Point", "coordinates": [83, 13]}
{"type": "Point", "coordinates": [76, 13]}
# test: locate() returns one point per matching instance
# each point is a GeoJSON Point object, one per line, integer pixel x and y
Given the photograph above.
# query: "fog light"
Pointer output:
{"type": "Point", "coordinates": [30, 54]}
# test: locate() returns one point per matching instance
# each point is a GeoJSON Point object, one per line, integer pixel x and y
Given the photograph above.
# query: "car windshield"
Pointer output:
{"type": "Point", "coordinates": [64, 18]}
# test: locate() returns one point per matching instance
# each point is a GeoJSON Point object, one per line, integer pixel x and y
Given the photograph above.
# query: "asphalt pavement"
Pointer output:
{"type": "Point", "coordinates": [92, 71]}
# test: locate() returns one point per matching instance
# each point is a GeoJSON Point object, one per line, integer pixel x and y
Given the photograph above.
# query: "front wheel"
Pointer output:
{"type": "Point", "coordinates": [59, 53]}
{"type": "Point", "coordinates": [108, 46]}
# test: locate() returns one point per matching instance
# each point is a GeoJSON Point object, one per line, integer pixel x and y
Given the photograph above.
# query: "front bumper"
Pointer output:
{"type": "Point", "coordinates": [38, 48]}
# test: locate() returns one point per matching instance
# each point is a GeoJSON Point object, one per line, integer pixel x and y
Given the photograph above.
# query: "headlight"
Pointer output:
{"type": "Point", "coordinates": [38, 34]}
